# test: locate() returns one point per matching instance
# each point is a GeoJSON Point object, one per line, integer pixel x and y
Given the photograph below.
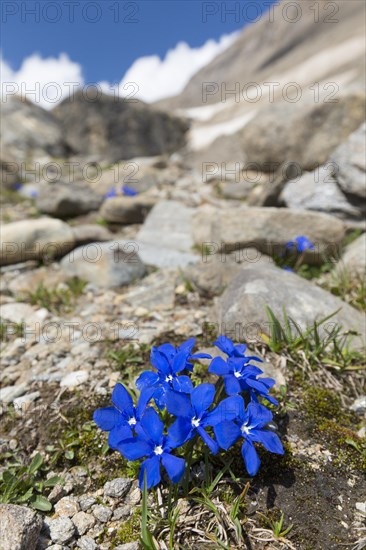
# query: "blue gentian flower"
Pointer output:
{"type": "Point", "coordinates": [300, 243]}
{"type": "Point", "coordinates": [123, 416]}
{"type": "Point", "coordinates": [169, 361]}
{"type": "Point", "coordinates": [17, 186]}
{"type": "Point", "coordinates": [287, 268]}
{"type": "Point", "coordinates": [153, 444]}
{"type": "Point", "coordinates": [128, 191]}
{"type": "Point", "coordinates": [250, 425]}
{"type": "Point", "coordinates": [193, 415]}
{"type": "Point", "coordinates": [111, 193]}
{"type": "Point", "coordinates": [34, 194]}
{"type": "Point", "coordinates": [239, 376]}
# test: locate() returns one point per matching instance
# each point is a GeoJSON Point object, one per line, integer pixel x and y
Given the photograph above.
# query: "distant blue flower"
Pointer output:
{"type": "Point", "coordinates": [287, 268]}
{"type": "Point", "coordinates": [239, 376]}
{"type": "Point", "coordinates": [128, 191]}
{"type": "Point", "coordinates": [169, 361]}
{"type": "Point", "coordinates": [249, 425]}
{"type": "Point", "coordinates": [193, 415]}
{"type": "Point", "coordinates": [123, 416]}
{"type": "Point", "coordinates": [227, 346]}
{"type": "Point", "coordinates": [17, 186]}
{"type": "Point", "coordinates": [33, 194]}
{"type": "Point", "coordinates": [150, 442]}
{"type": "Point", "coordinates": [111, 193]}
{"type": "Point", "coordinates": [300, 243]}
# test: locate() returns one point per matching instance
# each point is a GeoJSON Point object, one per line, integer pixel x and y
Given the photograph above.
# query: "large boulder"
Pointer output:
{"type": "Point", "coordinates": [126, 210]}
{"type": "Point", "coordinates": [67, 200]}
{"type": "Point", "coordinates": [19, 527]}
{"type": "Point", "coordinates": [117, 128]}
{"type": "Point", "coordinates": [242, 312]}
{"type": "Point", "coordinates": [38, 239]}
{"type": "Point", "coordinates": [165, 239]}
{"type": "Point", "coordinates": [350, 159]}
{"type": "Point", "coordinates": [353, 261]}
{"type": "Point", "coordinates": [109, 264]}
{"type": "Point", "coordinates": [305, 132]}
{"type": "Point", "coordinates": [267, 229]}
{"type": "Point", "coordinates": [318, 190]}
{"type": "Point", "coordinates": [28, 131]}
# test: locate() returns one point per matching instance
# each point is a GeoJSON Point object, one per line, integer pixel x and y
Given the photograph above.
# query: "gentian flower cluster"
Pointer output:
{"type": "Point", "coordinates": [171, 412]}
{"type": "Point", "coordinates": [294, 251]}
{"type": "Point", "coordinates": [124, 190]}
{"type": "Point", "coordinates": [300, 244]}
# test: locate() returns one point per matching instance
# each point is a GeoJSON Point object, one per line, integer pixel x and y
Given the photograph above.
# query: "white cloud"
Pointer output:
{"type": "Point", "coordinates": [157, 78]}
{"type": "Point", "coordinates": [46, 81]}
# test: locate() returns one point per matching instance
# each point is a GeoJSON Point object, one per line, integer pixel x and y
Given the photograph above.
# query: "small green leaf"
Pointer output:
{"type": "Point", "coordinates": [35, 464]}
{"type": "Point", "coordinates": [69, 455]}
{"type": "Point", "coordinates": [41, 503]}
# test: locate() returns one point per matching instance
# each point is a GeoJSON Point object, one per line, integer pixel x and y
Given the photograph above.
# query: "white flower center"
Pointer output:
{"type": "Point", "coordinates": [245, 429]}
{"type": "Point", "coordinates": [169, 378]}
{"type": "Point", "coordinates": [195, 422]}
{"type": "Point", "coordinates": [237, 374]}
{"type": "Point", "coordinates": [158, 450]}
{"type": "Point", "coordinates": [132, 421]}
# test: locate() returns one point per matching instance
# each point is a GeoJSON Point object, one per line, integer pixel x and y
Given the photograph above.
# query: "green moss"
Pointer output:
{"type": "Point", "coordinates": [337, 438]}
{"type": "Point", "coordinates": [321, 403]}
{"type": "Point", "coordinates": [129, 531]}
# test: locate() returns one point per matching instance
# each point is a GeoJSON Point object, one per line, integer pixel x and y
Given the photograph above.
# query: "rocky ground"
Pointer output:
{"type": "Point", "coordinates": [89, 284]}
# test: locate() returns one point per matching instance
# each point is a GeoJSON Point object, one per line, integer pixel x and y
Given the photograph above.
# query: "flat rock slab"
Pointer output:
{"type": "Point", "coordinates": [126, 210]}
{"type": "Point", "coordinates": [267, 229]}
{"type": "Point", "coordinates": [350, 158]}
{"type": "Point", "coordinates": [67, 200]}
{"type": "Point", "coordinates": [109, 264]}
{"type": "Point", "coordinates": [42, 238]}
{"type": "Point", "coordinates": [241, 308]}
{"type": "Point", "coordinates": [353, 261]}
{"type": "Point", "coordinates": [19, 527]}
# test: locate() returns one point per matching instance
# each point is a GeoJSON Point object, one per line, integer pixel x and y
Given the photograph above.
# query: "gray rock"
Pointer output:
{"type": "Point", "coordinates": [19, 527]}
{"type": "Point", "coordinates": [128, 546]}
{"type": "Point", "coordinates": [359, 404]}
{"type": "Point", "coordinates": [86, 502]}
{"type": "Point", "coordinates": [117, 488]}
{"type": "Point", "coordinates": [109, 264]}
{"type": "Point", "coordinates": [305, 132]}
{"type": "Point", "coordinates": [28, 131]}
{"type": "Point", "coordinates": [267, 229]}
{"type": "Point", "coordinates": [67, 506]}
{"type": "Point", "coordinates": [74, 379]}
{"type": "Point", "coordinates": [9, 393]}
{"type": "Point", "coordinates": [126, 210]}
{"type": "Point", "coordinates": [319, 191]}
{"type": "Point", "coordinates": [155, 292]}
{"type": "Point", "coordinates": [237, 190]}
{"type": "Point", "coordinates": [90, 233]}
{"type": "Point", "coordinates": [102, 513]}
{"type": "Point", "coordinates": [353, 261]}
{"type": "Point", "coordinates": [83, 522]}
{"type": "Point", "coordinates": [19, 312]}
{"type": "Point", "coordinates": [161, 256]}
{"type": "Point", "coordinates": [241, 308]}
{"type": "Point", "coordinates": [87, 543]}
{"type": "Point", "coordinates": [113, 128]}
{"type": "Point", "coordinates": [67, 200]}
{"type": "Point", "coordinates": [350, 157]}
{"type": "Point", "coordinates": [41, 238]}
{"type": "Point", "coordinates": [168, 225]}
{"type": "Point", "coordinates": [61, 530]}
{"type": "Point", "coordinates": [48, 277]}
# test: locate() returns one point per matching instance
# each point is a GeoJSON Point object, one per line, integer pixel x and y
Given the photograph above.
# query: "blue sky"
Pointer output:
{"type": "Point", "coordinates": [105, 37]}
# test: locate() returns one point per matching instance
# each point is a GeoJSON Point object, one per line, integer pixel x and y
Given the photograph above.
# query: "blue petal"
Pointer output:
{"type": "Point", "coordinates": [225, 344]}
{"type": "Point", "coordinates": [107, 418]}
{"type": "Point", "coordinates": [174, 466]}
{"type": "Point", "coordinates": [122, 400]}
{"type": "Point", "coordinates": [258, 415]}
{"type": "Point", "coordinates": [226, 434]}
{"type": "Point", "coordinates": [257, 385]}
{"type": "Point", "coordinates": [179, 362]}
{"type": "Point", "coordinates": [251, 458]}
{"type": "Point", "coordinates": [152, 425]}
{"type": "Point", "coordinates": [227, 409]}
{"type": "Point", "coordinates": [118, 435]}
{"type": "Point", "coordinates": [147, 379]}
{"type": "Point", "coordinates": [232, 385]}
{"type": "Point", "coordinates": [269, 382]}
{"type": "Point", "coordinates": [152, 468]}
{"type": "Point", "coordinates": [187, 346]}
{"type": "Point", "coordinates": [251, 370]}
{"type": "Point", "coordinates": [159, 397]}
{"type": "Point", "coordinates": [211, 443]}
{"type": "Point", "coordinates": [135, 448]}
{"type": "Point", "coordinates": [182, 384]}
{"type": "Point", "coordinates": [269, 440]}
{"type": "Point", "coordinates": [179, 404]}
{"type": "Point", "coordinates": [202, 398]}
{"type": "Point", "coordinates": [219, 366]}
{"type": "Point", "coordinates": [179, 432]}
{"type": "Point", "coordinates": [200, 356]}
{"type": "Point", "coordinates": [145, 397]}
{"type": "Point", "coordinates": [168, 350]}
{"type": "Point", "coordinates": [159, 361]}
